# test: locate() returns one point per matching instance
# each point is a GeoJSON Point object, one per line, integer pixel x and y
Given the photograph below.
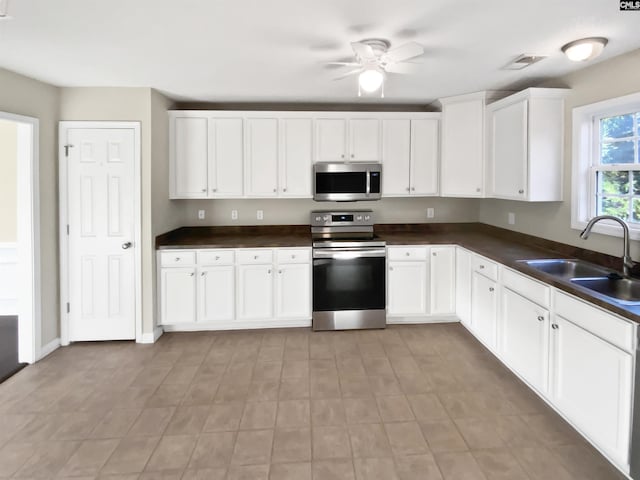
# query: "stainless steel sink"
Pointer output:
{"type": "Point", "coordinates": [623, 290]}
{"type": "Point", "coordinates": [568, 268]}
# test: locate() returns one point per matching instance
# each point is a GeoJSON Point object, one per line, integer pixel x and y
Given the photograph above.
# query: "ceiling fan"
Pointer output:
{"type": "Point", "coordinates": [374, 60]}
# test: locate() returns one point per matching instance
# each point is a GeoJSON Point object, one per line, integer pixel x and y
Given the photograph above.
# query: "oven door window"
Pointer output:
{"type": "Point", "coordinates": [349, 284]}
{"type": "Point", "coordinates": [344, 182]}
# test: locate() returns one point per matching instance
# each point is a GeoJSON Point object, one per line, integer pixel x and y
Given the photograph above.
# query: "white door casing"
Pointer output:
{"type": "Point", "coordinates": [100, 204]}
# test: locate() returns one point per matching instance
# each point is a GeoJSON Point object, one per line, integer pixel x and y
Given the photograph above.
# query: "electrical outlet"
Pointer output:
{"type": "Point", "coordinates": [511, 218]}
{"type": "Point", "coordinates": [200, 214]}
{"type": "Point", "coordinates": [259, 214]}
{"type": "Point", "coordinates": [234, 214]}
{"type": "Point", "coordinates": [431, 212]}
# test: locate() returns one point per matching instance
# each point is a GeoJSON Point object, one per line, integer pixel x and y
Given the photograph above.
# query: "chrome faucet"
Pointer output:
{"type": "Point", "coordinates": [627, 263]}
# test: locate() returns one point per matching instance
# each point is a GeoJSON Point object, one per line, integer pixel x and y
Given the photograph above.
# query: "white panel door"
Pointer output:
{"type": "Point", "coordinates": [509, 151]}
{"type": "Point", "coordinates": [101, 174]}
{"type": "Point", "coordinates": [364, 140]}
{"type": "Point", "coordinates": [463, 286]}
{"type": "Point", "coordinates": [216, 294]}
{"type": "Point", "coordinates": [262, 157]}
{"type": "Point", "coordinates": [255, 292]}
{"type": "Point", "coordinates": [296, 157]}
{"type": "Point", "coordinates": [592, 386]}
{"type": "Point", "coordinates": [226, 156]}
{"type": "Point", "coordinates": [523, 338]}
{"type": "Point", "coordinates": [407, 288]}
{"type": "Point", "coordinates": [443, 280]}
{"type": "Point", "coordinates": [190, 157]}
{"type": "Point", "coordinates": [424, 157]}
{"type": "Point", "coordinates": [484, 307]}
{"type": "Point", "coordinates": [462, 163]}
{"type": "Point", "coordinates": [178, 294]}
{"type": "Point", "coordinates": [396, 157]}
{"type": "Point", "coordinates": [331, 139]}
{"type": "Point", "coordinates": [293, 291]}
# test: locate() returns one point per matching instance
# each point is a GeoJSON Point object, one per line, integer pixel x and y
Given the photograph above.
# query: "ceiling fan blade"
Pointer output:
{"type": "Point", "coordinates": [403, 52]}
{"type": "Point", "coordinates": [343, 64]}
{"type": "Point", "coordinates": [400, 67]}
{"type": "Point", "coordinates": [348, 74]}
{"type": "Point", "coordinates": [363, 51]}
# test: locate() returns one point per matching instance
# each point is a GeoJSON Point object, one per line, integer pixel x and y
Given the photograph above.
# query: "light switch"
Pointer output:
{"type": "Point", "coordinates": [200, 214]}
{"type": "Point", "coordinates": [431, 212]}
{"type": "Point", "coordinates": [259, 214]}
{"type": "Point", "coordinates": [511, 218]}
{"type": "Point", "coordinates": [234, 214]}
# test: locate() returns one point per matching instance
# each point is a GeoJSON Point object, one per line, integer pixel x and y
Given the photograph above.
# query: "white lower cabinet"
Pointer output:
{"type": "Point", "coordinates": [523, 338]}
{"type": "Point", "coordinates": [216, 294]}
{"type": "Point", "coordinates": [407, 288]}
{"type": "Point", "coordinates": [293, 291]}
{"type": "Point", "coordinates": [255, 292]}
{"type": "Point", "coordinates": [484, 308]}
{"type": "Point", "coordinates": [178, 295]}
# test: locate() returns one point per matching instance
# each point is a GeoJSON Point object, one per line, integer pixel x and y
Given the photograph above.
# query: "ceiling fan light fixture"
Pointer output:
{"type": "Point", "coordinates": [584, 49]}
{"type": "Point", "coordinates": [371, 79]}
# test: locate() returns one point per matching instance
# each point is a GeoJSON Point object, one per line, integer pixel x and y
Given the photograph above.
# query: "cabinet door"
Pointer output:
{"type": "Point", "coordinates": [462, 163]}
{"type": "Point", "coordinates": [484, 305]}
{"type": "Point", "coordinates": [463, 286]}
{"type": "Point", "coordinates": [178, 292]}
{"type": "Point", "coordinates": [216, 294]}
{"type": "Point", "coordinates": [364, 140]}
{"type": "Point", "coordinates": [592, 386]}
{"type": "Point", "coordinates": [262, 157]}
{"type": "Point", "coordinates": [226, 156]}
{"type": "Point", "coordinates": [442, 280]}
{"type": "Point", "coordinates": [331, 139]}
{"type": "Point", "coordinates": [509, 151]}
{"type": "Point", "coordinates": [293, 291]}
{"type": "Point", "coordinates": [396, 157]}
{"type": "Point", "coordinates": [424, 157]}
{"type": "Point", "coordinates": [296, 158]}
{"type": "Point", "coordinates": [190, 157]}
{"type": "Point", "coordinates": [407, 288]}
{"type": "Point", "coordinates": [255, 292]}
{"type": "Point", "coordinates": [523, 338]}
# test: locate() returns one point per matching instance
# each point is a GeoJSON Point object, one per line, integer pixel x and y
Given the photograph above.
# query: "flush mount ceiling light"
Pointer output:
{"type": "Point", "coordinates": [584, 49]}
{"type": "Point", "coordinates": [371, 79]}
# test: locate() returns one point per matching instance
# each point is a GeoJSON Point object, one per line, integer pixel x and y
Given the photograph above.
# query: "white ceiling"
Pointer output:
{"type": "Point", "coordinates": [273, 50]}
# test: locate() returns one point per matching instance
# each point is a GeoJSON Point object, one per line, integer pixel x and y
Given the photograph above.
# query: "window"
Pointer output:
{"type": "Point", "coordinates": [606, 163]}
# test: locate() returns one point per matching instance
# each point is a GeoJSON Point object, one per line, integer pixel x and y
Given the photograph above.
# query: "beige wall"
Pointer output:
{"type": "Point", "coordinates": [613, 78]}
{"type": "Point", "coordinates": [279, 212]}
{"type": "Point", "coordinates": [8, 182]}
{"type": "Point", "coordinates": [26, 96]}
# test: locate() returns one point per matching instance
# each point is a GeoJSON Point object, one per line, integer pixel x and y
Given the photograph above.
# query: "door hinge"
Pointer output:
{"type": "Point", "coordinates": [68, 307]}
{"type": "Point", "coordinates": [66, 149]}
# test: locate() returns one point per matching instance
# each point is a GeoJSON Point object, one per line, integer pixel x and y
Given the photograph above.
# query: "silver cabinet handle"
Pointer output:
{"type": "Point", "coordinates": [407, 254]}
{"type": "Point", "coordinates": [255, 257]}
{"type": "Point", "coordinates": [342, 155]}
{"type": "Point", "coordinates": [391, 268]}
{"type": "Point", "coordinates": [352, 155]}
{"type": "Point", "coordinates": [434, 254]}
{"type": "Point", "coordinates": [203, 274]}
{"type": "Point", "coordinates": [520, 191]}
{"type": "Point", "coordinates": [275, 190]}
{"type": "Point", "coordinates": [284, 189]}
{"type": "Point", "coordinates": [279, 271]}
{"type": "Point", "coordinates": [413, 189]}
{"type": "Point", "coordinates": [555, 326]}
{"type": "Point", "coordinates": [177, 259]}
{"type": "Point", "coordinates": [204, 190]}
{"type": "Point", "coordinates": [192, 274]}
{"type": "Point", "coordinates": [481, 267]}
{"type": "Point", "coordinates": [293, 256]}
{"type": "Point", "coordinates": [214, 190]}
{"type": "Point", "coordinates": [491, 289]}
{"type": "Point", "coordinates": [269, 271]}
{"type": "Point", "coordinates": [217, 257]}
{"type": "Point", "coordinates": [408, 189]}
{"type": "Point", "coordinates": [540, 318]}
{"type": "Point", "coordinates": [477, 189]}
{"type": "Point", "coordinates": [126, 245]}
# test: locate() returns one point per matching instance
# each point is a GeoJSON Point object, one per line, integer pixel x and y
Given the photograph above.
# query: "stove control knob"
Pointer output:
{"type": "Point", "coordinates": [326, 218]}
{"type": "Point", "coordinates": [359, 218]}
{"type": "Point", "coordinates": [367, 218]}
{"type": "Point", "coordinates": [318, 219]}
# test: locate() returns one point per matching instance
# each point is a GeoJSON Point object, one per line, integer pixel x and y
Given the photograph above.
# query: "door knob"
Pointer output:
{"type": "Point", "coordinates": [126, 245]}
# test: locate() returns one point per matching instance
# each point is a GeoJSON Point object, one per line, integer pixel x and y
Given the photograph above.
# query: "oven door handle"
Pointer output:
{"type": "Point", "coordinates": [368, 192]}
{"type": "Point", "coordinates": [348, 253]}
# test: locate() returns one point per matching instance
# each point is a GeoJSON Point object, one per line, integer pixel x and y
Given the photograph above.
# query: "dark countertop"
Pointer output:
{"type": "Point", "coordinates": [503, 246]}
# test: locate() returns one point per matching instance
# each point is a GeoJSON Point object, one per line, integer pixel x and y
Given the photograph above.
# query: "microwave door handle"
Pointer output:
{"type": "Point", "coordinates": [368, 182]}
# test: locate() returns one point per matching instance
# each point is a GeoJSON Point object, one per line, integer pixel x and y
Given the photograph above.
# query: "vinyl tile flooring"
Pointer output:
{"type": "Point", "coordinates": [421, 402]}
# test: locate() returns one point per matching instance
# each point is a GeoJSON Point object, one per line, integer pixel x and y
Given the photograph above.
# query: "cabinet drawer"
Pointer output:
{"type": "Point", "coordinates": [486, 267]}
{"type": "Point", "coordinates": [177, 258]}
{"type": "Point", "coordinates": [407, 253]}
{"type": "Point", "coordinates": [605, 325]}
{"type": "Point", "coordinates": [528, 288]}
{"type": "Point", "coordinates": [294, 256]}
{"type": "Point", "coordinates": [246, 256]}
{"type": "Point", "coordinates": [215, 257]}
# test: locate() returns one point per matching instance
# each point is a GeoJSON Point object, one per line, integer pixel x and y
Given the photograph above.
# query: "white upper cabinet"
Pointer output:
{"type": "Point", "coordinates": [296, 157]}
{"type": "Point", "coordinates": [364, 140]}
{"type": "Point", "coordinates": [410, 157]}
{"type": "Point", "coordinates": [190, 157]}
{"type": "Point", "coordinates": [226, 154]}
{"type": "Point", "coordinates": [462, 142]}
{"type": "Point", "coordinates": [526, 145]}
{"type": "Point", "coordinates": [331, 139]}
{"type": "Point", "coordinates": [261, 157]}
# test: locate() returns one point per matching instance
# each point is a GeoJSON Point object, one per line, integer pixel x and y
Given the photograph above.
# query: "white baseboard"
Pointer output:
{"type": "Point", "coordinates": [422, 319]}
{"type": "Point", "coordinates": [49, 348]}
{"type": "Point", "coordinates": [237, 325]}
{"type": "Point", "coordinates": [152, 337]}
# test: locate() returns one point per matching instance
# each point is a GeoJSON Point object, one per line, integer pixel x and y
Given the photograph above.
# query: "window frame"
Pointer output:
{"type": "Point", "coordinates": [585, 161]}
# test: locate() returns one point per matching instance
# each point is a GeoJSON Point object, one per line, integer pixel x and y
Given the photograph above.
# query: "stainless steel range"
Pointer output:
{"type": "Point", "coordinates": [349, 271]}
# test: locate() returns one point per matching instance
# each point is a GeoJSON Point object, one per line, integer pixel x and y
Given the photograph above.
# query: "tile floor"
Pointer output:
{"type": "Point", "coordinates": [406, 403]}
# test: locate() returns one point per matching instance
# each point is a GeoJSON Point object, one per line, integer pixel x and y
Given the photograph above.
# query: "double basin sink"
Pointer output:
{"type": "Point", "coordinates": [592, 277]}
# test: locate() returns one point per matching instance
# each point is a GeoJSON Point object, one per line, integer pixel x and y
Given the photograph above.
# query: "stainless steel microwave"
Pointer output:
{"type": "Point", "coordinates": [346, 182]}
